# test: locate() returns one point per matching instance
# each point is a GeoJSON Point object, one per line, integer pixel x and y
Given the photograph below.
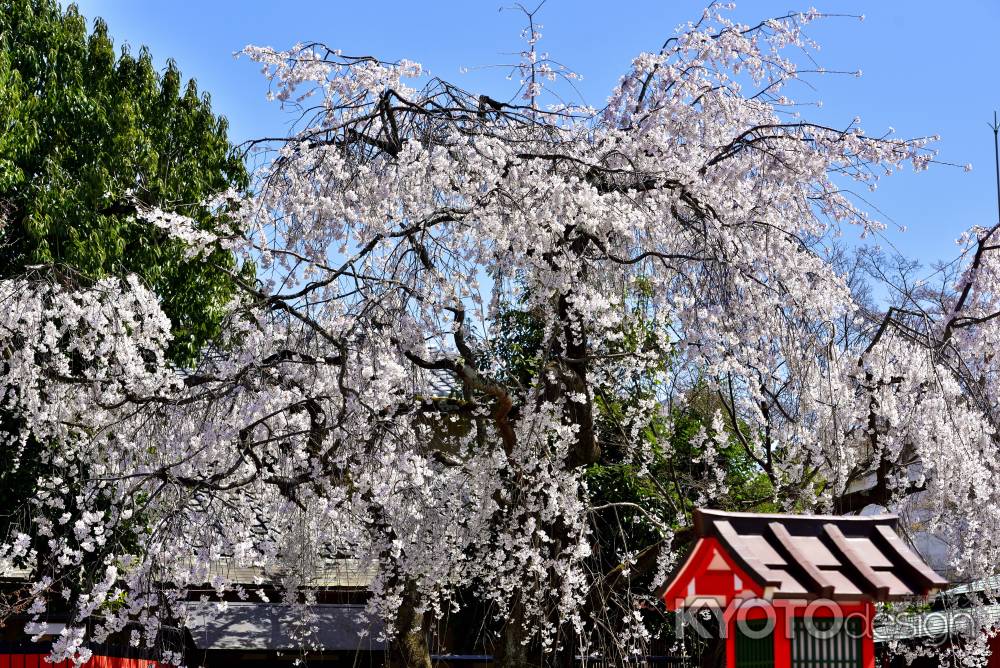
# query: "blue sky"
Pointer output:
{"type": "Point", "coordinates": [929, 68]}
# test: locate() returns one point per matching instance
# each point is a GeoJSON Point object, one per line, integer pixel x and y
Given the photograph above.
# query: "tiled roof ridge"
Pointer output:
{"type": "Point", "coordinates": [702, 514]}
{"type": "Point", "coordinates": [829, 556]}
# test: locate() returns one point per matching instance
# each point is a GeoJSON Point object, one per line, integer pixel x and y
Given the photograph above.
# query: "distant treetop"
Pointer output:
{"type": "Point", "coordinates": [90, 133]}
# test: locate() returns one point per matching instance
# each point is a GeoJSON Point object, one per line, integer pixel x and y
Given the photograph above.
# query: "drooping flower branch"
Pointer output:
{"type": "Point", "coordinates": [364, 402]}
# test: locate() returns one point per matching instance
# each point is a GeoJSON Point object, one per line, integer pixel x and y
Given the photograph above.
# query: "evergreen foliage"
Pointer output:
{"type": "Point", "coordinates": [87, 134]}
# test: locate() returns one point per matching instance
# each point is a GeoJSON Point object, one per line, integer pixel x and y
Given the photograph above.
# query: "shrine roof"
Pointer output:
{"type": "Point", "coordinates": [818, 556]}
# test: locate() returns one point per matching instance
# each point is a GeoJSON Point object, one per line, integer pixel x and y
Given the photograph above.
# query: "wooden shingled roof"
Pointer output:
{"type": "Point", "coordinates": [832, 557]}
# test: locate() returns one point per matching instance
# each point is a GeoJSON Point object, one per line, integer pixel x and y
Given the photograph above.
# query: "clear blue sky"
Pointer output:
{"type": "Point", "coordinates": [930, 67]}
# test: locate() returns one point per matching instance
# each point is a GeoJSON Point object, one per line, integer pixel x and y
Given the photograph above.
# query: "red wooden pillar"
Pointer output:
{"type": "Point", "coordinates": [994, 644]}
{"type": "Point", "coordinates": [868, 637]}
{"type": "Point", "coordinates": [782, 637]}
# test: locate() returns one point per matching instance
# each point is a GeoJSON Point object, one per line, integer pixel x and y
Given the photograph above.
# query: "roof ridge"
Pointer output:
{"type": "Point", "coordinates": [883, 517]}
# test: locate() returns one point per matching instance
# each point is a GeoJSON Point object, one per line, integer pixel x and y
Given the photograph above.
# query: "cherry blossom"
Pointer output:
{"type": "Point", "coordinates": [358, 405]}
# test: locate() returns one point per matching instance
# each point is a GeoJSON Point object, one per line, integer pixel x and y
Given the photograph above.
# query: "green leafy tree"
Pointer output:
{"type": "Point", "coordinates": [87, 135]}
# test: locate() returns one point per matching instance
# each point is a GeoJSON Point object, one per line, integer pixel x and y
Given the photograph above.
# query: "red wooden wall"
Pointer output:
{"type": "Point", "coordinates": [38, 661]}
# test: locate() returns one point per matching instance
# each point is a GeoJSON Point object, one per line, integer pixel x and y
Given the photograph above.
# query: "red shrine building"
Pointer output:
{"type": "Point", "coordinates": [797, 591]}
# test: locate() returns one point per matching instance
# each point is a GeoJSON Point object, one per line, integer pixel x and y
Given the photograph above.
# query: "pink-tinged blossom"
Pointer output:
{"type": "Point", "coordinates": [361, 403]}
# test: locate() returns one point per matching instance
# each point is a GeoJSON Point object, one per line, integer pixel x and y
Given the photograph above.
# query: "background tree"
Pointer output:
{"type": "Point", "coordinates": [90, 133]}
{"type": "Point", "coordinates": [87, 135]}
{"type": "Point", "coordinates": [642, 508]}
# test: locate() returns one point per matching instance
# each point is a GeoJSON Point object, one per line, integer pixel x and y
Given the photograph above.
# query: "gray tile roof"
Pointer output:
{"type": "Point", "coordinates": [267, 626]}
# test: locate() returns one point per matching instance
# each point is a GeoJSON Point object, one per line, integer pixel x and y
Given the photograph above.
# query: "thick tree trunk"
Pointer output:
{"type": "Point", "coordinates": [512, 651]}
{"type": "Point", "coordinates": [410, 649]}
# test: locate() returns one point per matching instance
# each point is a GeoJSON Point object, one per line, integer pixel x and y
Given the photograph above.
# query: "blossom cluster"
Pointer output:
{"type": "Point", "coordinates": [362, 404]}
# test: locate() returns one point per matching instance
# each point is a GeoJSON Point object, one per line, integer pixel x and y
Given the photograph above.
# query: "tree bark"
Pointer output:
{"type": "Point", "coordinates": [409, 649]}
{"type": "Point", "coordinates": [513, 652]}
